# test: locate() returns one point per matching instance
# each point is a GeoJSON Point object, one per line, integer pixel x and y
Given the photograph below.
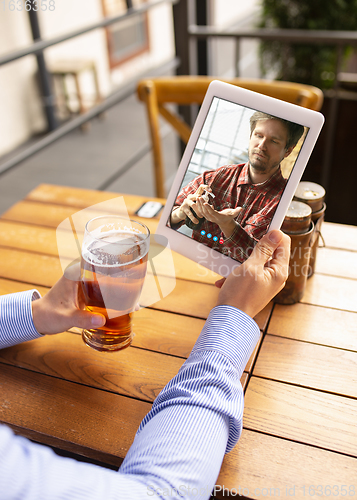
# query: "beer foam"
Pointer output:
{"type": "Point", "coordinates": [109, 251]}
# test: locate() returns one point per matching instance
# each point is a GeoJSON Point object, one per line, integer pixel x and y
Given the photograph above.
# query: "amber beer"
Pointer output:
{"type": "Point", "coordinates": [113, 269]}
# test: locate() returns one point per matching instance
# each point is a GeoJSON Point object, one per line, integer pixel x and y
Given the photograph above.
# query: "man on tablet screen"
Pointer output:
{"type": "Point", "coordinates": [230, 208]}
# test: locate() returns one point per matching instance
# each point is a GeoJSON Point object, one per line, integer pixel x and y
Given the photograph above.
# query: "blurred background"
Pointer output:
{"type": "Point", "coordinates": [69, 71]}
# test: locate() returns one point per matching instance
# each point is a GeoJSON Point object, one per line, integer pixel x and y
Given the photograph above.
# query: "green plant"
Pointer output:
{"type": "Point", "coordinates": [305, 63]}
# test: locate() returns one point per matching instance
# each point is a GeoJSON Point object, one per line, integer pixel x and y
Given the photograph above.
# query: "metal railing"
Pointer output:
{"type": "Point", "coordinates": [339, 39]}
{"type": "Point", "coordinates": [39, 46]}
{"type": "Point", "coordinates": [125, 91]}
{"type": "Point", "coordinates": [187, 34]}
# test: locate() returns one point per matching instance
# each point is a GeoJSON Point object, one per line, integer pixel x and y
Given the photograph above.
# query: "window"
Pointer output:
{"type": "Point", "coordinates": [127, 38]}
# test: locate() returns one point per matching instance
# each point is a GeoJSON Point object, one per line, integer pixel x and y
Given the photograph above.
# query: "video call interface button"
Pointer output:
{"type": "Point", "coordinates": [209, 235]}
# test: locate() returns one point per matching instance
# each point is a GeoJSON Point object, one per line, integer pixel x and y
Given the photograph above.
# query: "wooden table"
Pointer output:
{"type": "Point", "coordinates": [300, 432]}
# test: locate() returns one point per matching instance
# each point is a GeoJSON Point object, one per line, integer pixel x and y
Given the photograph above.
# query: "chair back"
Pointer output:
{"type": "Point", "coordinates": [156, 93]}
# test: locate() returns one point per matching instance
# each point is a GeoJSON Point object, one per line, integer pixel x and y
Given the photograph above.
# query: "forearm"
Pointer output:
{"type": "Point", "coordinates": [228, 228]}
{"type": "Point", "coordinates": [180, 444]}
{"type": "Point", "coordinates": [221, 352]}
{"type": "Point", "coordinates": [195, 419]}
{"type": "Point", "coordinates": [159, 461]}
{"type": "Point", "coordinates": [239, 243]}
{"type": "Point", "coordinates": [16, 323]}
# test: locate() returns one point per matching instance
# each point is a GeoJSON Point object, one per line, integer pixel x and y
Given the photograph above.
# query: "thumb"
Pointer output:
{"type": "Point", "coordinates": [201, 189]}
{"type": "Point", "coordinates": [87, 320]}
{"type": "Point", "coordinates": [265, 248]}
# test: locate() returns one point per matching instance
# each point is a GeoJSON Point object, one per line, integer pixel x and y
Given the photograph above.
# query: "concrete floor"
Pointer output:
{"type": "Point", "coordinates": [88, 159]}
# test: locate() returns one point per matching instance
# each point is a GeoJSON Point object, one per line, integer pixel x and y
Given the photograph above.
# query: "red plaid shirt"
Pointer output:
{"type": "Point", "coordinates": [233, 188]}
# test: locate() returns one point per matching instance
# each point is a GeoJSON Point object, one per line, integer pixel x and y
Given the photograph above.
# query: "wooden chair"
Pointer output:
{"type": "Point", "coordinates": [187, 90]}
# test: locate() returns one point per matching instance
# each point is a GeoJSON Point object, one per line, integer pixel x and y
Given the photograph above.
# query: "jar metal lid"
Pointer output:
{"type": "Point", "coordinates": [311, 193]}
{"type": "Point", "coordinates": [297, 219]}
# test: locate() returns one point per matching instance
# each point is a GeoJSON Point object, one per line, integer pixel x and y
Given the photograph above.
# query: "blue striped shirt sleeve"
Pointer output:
{"type": "Point", "coordinates": [210, 377]}
{"type": "Point", "coordinates": [16, 322]}
{"type": "Point", "coordinates": [180, 445]}
{"type": "Point", "coordinates": [198, 416]}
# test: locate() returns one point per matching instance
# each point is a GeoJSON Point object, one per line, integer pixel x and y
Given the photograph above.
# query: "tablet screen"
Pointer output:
{"type": "Point", "coordinates": [235, 178]}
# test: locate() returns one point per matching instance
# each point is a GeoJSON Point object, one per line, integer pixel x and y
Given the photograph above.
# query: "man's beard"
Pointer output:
{"type": "Point", "coordinates": [261, 165]}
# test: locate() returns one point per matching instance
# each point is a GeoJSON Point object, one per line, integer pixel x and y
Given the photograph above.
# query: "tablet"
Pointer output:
{"type": "Point", "coordinates": [238, 174]}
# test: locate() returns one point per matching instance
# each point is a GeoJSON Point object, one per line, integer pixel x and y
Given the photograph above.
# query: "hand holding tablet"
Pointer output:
{"type": "Point", "coordinates": [238, 174]}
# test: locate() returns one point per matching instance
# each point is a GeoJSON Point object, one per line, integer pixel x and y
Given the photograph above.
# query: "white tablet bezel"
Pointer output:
{"type": "Point", "coordinates": [196, 251]}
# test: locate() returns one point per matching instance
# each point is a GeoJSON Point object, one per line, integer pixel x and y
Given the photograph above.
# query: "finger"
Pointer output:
{"type": "Point", "coordinates": [190, 215]}
{"type": "Point", "coordinates": [281, 256]}
{"type": "Point", "coordinates": [265, 248]}
{"type": "Point", "coordinates": [186, 210]}
{"type": "Point", "coordinates": [231, 212]}
{"type": "Point", "coordinates": [73, 270]}
{"type": "Point", "coordinates": [219, 283]}
{"type": "Point", "coordinates": [201, 189]}
{"type": "Point", "coordinates": [208, 210]}
{"type": "Point", "coordinates": [199, 207]}
{"type": "Point", "coordinates": [87, 320]}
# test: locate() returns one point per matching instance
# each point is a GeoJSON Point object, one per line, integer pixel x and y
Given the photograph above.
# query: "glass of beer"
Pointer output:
{"type": "Point", "coordinates": [113, 268]}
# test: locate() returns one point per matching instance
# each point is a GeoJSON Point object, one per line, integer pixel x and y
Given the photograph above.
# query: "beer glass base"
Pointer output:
{"type": "Point", "coordinates": [106, 342]}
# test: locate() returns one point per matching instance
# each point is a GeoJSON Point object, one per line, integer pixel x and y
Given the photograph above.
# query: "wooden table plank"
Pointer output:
{"type": "Point", "coordinates": [36, 213]}
{"type": "Point", "coordinates": [44, 241]}
{"type": "Point", "coordinates": [315, 324]}
{"type": "Point", "coordinates": [10, 286]}
{"type": "Point", "coordinates": [39, 214]}
{"type": "Point", "coordinates": [170, 333]}
{"type": "Point", "coordinates": [309, 365]}
{"type": "Point", "coordinates": [155, 330]}
{"type": "Point", "coordinates": [137, 373]}
{"type": "Point", "coordinates": [32, 238]}
{"type": "Point", "coordinates": [94, 423]}
{"type": "Point", "coordinates": [335, 262]}
{"type": "Point", "coordinates": [303, 415]}
{"type": "Point", "coordinates": [341, 236]}
{"type": "Point", "coordinates": [264, 466]}
{"type": "Point", "coordinates": [332, 292]}
{"type": "Point", "coordinates": [195, 299]}
{"type": "Point", "coordinates": [134, 372]}
{"type": "Point", "coordinates": [335, 235]}
{"type": "Point", "coordinates": [24, 234]}
{"type": "Point", "coordinates": [18, 265]}
{"type": "Point", "coordinates": [166, 332]}
{"type": "Point", "coordinates": [244, 380]}
{"type": "Point", "coordinates": [45, 270]}
{"type": "Point", "coordinates": [81, 198]}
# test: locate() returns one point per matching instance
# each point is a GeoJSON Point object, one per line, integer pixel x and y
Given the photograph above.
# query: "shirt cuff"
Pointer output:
{"type": "Point", "coordinates": [16, 320]}
{"type": "Point", "coordinates": [230, 332]}
{"type": "Point", "coordinates": [240, 243]}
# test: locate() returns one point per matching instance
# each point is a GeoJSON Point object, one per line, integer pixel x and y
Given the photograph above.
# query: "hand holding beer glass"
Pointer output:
{"type": "Point", "coordinates": [113, 269]}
